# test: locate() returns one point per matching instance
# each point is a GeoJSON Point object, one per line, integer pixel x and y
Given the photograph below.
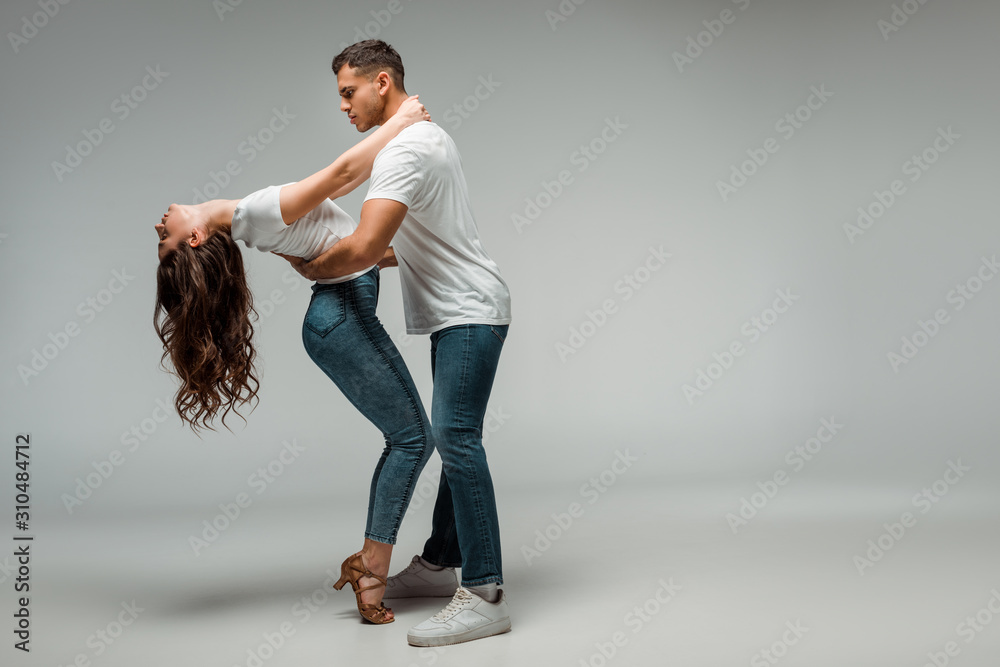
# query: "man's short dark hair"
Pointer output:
{"type": "Point", "coordinates": [369, 58]}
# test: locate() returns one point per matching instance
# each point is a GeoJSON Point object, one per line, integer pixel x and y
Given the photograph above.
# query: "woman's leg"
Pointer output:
{"type": "Point", "coordinates": [344, 337]}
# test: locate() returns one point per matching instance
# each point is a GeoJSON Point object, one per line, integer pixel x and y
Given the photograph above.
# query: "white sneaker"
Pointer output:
{"type": "Point", "coordinates": [466, 617]}
{"type": "Point", "coordinates": [419, 581]}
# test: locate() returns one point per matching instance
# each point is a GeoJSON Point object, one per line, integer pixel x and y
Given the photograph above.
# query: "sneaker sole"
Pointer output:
{"type": "Point", "coordinates": [425, 592]}
{"type": "Point", "coordinates": [483, 631]}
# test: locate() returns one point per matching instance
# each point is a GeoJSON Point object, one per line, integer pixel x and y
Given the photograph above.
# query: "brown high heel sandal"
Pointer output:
{"type": "Point", "coordinates": [351, 570]}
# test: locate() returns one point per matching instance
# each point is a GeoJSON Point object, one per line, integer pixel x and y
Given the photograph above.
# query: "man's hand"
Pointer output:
{"type": "Point", "coordinates": [299, 264]}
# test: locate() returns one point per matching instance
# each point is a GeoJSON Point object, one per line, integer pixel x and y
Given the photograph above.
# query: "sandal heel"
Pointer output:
{"type": "Point", "coordinates": [351, 571]}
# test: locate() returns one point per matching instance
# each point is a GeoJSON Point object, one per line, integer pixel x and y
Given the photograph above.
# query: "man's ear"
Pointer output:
{"type": "Point", "coordinates": [383, 81]}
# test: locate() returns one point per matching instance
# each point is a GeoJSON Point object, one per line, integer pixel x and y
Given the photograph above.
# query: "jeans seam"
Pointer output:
{"type": "Point", "coordinates": [484, 538]}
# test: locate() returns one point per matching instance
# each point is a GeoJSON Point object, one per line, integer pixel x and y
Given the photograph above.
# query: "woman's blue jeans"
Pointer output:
{"type": "Point", "coordinates": [465, 531]}
{"type": "Point", "coordinates": [344, 337]}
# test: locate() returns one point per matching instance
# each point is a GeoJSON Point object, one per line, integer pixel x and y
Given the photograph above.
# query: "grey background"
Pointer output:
{"type": "Point", "coordinates": [562, 419]}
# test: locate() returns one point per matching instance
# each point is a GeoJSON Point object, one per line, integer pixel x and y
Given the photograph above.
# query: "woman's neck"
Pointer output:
{"type": "Point", "coordinates": [219, 214]}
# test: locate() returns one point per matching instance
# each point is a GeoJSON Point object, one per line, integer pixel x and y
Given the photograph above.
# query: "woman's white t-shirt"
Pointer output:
{"type": "Point", "coordinates": [257, 222]}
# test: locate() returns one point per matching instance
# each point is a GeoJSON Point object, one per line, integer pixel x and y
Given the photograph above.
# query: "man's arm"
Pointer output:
{"type": "Point", "coordinates": [380, 218]}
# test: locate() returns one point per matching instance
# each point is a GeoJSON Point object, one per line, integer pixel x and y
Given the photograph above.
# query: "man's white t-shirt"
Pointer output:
{"type": "Point", "coordinates": [446, 275]}
{"type": "Point", "coordinates": [257, 222]}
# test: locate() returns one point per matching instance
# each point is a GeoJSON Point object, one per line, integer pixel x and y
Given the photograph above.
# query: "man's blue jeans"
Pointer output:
{"type": "Point", "coordinates": [344, 337]}
{"type": "Point", "coordinates": [465, 530]}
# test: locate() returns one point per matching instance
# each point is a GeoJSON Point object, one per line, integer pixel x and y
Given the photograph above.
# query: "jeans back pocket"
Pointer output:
{"type": "Point", "coordinates": [500, 331]}
{"type": "Point", "coordinates": [326, 311]}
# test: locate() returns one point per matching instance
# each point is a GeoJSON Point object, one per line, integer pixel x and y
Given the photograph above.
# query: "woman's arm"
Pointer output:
{"type": "Point", "coordinates": [388, 259]}
{"type": "Point", "coordinates": [350, 187]}
{"type": "Point", "coordinates": [299, 198]}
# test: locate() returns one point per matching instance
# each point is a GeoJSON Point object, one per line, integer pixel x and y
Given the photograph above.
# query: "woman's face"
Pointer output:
{"type": "Point", "coordinates": [177, 225]}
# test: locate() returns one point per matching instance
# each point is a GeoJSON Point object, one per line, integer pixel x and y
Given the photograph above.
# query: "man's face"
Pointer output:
{"type": "Point", "coordinates": [359, 99]}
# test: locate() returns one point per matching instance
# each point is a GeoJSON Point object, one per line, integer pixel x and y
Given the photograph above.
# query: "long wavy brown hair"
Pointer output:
{"type": "Point", "coordinates": [204, 309]}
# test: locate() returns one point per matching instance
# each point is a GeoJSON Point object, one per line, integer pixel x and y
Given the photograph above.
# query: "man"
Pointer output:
{"type": "Point", "coordinates": [452, 290]}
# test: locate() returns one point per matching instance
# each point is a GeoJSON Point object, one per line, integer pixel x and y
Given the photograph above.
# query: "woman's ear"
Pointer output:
{"type": "Point", "coordinates": [198, 236]}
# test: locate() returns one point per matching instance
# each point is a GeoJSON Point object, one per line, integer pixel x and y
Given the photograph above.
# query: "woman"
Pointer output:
{"type": "Point", "coordinates": [203, 317]}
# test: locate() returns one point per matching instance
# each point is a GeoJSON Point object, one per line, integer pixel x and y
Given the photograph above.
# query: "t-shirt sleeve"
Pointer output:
{"type": "Point", "coordinates": [257, 219]}
{"type": "Point", "coordinates": [396, 175]}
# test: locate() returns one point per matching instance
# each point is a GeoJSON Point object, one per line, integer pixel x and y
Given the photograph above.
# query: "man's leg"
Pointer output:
{"type": "Point", "coordinates": [441, 548]}
{"type": "Point", "coordinates": [465, 360]}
